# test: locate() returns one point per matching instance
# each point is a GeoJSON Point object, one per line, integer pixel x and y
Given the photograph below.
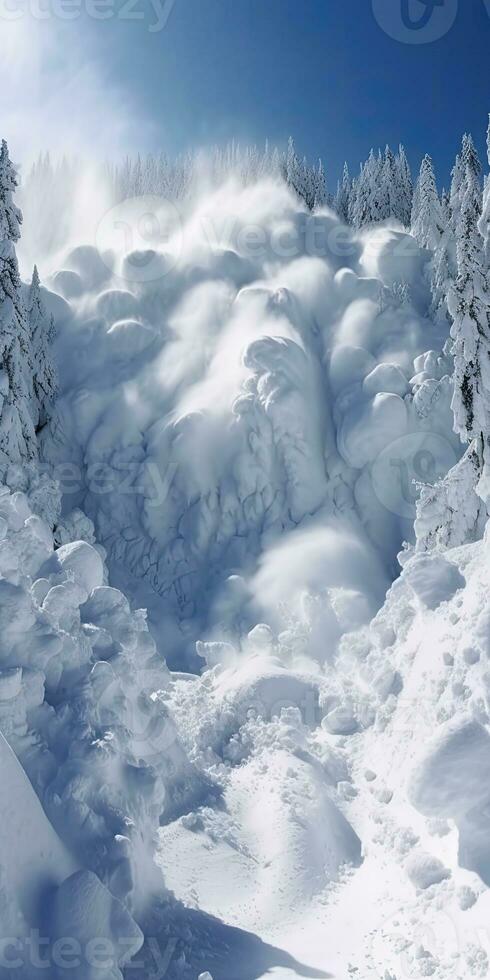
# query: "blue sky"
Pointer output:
{"type": "Point", "coordinates": [322, 70]}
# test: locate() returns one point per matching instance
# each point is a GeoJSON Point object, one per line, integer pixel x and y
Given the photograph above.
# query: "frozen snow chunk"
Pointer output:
{"type": "Point", "coordinates": [67, 283]}
{"type": "Point", "coordinates": [84, 910]}
{"type": "Point", "coordinates": [433, 579]}
{"type": "Point", "coordinates": [386, 377]}
{"type": "Point", "coordinates": [62, 604]}
{"type": "Point", "coordinates": [130, 338]}
{"type": "Point", "coordinates": [261, 637]}
{"type": "Point", "coordinates": [419, 379]}
{"type": "Point", "coordinates": [369, 426]}
{"type": "Point", "coordinates": [471, 656]}
{"type": "Point", "coordinates": [349, 365]}
{"type": "Point", "coordinates": [81, 562]}
{"type": "Point", "coordinates": [454, 776]}
{"type": "Point", "coordinates": [393, 256]}
{"type": "Point", "coordinates": [117, 304]}
{"type": "Point", "coordinates": [105, 603]}
{"type": "Point", "coordinates": [425, 870]}
{"type": "Point", "coordinates": [87, 261]}
{"type": "Point", "coordinates": [482, 632]}
{"type": "Point", "coordinates": [340, 721]}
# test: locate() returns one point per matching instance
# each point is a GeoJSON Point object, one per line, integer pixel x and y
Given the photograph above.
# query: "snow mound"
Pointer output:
{"type": "Point", "coordinates": [79, 707]}
{"type": "Point", "coordinates": [130, 338]}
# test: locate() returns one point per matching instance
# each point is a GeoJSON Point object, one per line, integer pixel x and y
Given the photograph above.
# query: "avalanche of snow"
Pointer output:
{"type": "Point", "coordinates": [243, 416]}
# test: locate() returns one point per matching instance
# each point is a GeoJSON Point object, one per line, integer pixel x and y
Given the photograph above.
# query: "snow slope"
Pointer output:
{"type": "Point", "coordinates": [354, 834]}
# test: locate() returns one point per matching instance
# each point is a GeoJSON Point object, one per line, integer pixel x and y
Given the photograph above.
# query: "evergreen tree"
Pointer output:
{"type": "Point", "coordinates": [405, 184]}
{"type": "Point", "coordinates": [44, 381]}
{"type": "Point", "coordinates": [343, 196]}
{"type": "Point", "coordinates": [442, 276]}
{"type": "Point", "coordinates": [322, 196]}
{"type": "Point", "coordinates": [446, 207]}
{"type": "Point", "coordinates": [17, 436]}
{"type": "Point", "coordinates": [427, 221]}
{"type": "Point", "coordinates": [364, 206]}
{"type": "Point", "coordinates": [390, 187]}
{"type": "Point", "coordinates": [450, 513]}
{"type": "Point", "coordinates": [469, 306]}
{"type": "Point", "coordinates": [468, 158]}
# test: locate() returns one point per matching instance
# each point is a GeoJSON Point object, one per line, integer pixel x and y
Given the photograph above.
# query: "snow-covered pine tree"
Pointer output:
{"type": "Point", "coordinates": [343, 196]}
{"type": "Point", "coordinates": [450, 513]}
{"type": "Point", "coordinates": [307, 185]}
{"type": "Point", "coordinates": [457, 180]}
{"type": "Point", "coordinates": [292, 165]}
{"type": "Point", "coordinates": [405, 184]}
{"type": "Point", "coordinates": [322, 196]}
{"type": "Point", "coordinates": [379, 194]}
{"type": "Point", "coordinates": [364, 202]}
{"type": "Point", "coordinates": [44, 381]}
{"type": "Point", "coordinates": [427, 220]}
{"type": "Point", "coordinates": [17, 436]}
{"type": "Point", "coordinates": [446, 206]}
{"type": "Point", "coordinates": [442, 274]}
{"type": "Point", "coordinates": [468, 157]}
{"type": "Point", "coordinates": [389, 187]}
{"type": "Point", "coordinates": [469, 306]}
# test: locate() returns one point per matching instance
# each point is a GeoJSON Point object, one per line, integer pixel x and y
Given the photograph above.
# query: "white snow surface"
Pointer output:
{"type": "Point", "coordinates": [305, 793]}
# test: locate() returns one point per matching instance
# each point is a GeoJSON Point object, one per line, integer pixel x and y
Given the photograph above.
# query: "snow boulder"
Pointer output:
{"type": "Point", "coordinates": [349, 365]}
{"type": "Point", "coordinates": [80, 562]}
{"type": "Point", "coordinates": [386, 377]}
{"type": "Point", "coordinates": [369, 426]}
{"type": "Point", "coordinates": [425, 870]}
{"type": "Point", "coordinates": [117, 304]}
{"type": "Point", "coordinates": [453, 782]}
{"type": "Point", "coordinates": [433, 579]}
{"type": "Point", "coordinates": [68, 283]}
{"type": "Point", "coordinates": [128, 338]}
{"type": "Point", "coordinates": [88, 262]}
{"type": "Point", "coordinates": [393, 257]}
